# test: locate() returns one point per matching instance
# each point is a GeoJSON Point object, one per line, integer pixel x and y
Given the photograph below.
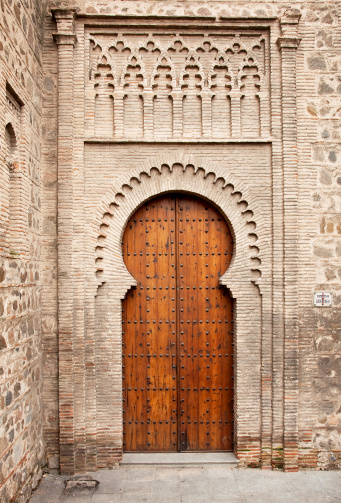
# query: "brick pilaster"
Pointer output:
{"type": "Point", "coordinates": [65, 39]}
{"type": "Point", "coordinates": [236, 126]}
{"type": "Point", "coordinates": [288, 44]}
{"type": "Point", "coordinates": [206, 100]}
{"type": "Point", "coordinates": [148, 127]}
{"type": "Point", "coordinates": [119, 112]}
{"type": "Point", "coordinates": [177, 113]}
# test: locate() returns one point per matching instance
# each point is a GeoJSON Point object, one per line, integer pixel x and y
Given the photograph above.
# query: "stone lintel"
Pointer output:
{"type": "Point", "coordinates": [288, 42]}
{"type": "Point", "coordinates": [64, 13]}
{"type": "Point", "coordinates": [65, 38]}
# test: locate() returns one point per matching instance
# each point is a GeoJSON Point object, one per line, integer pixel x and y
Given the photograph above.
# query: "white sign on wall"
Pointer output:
{"type": "Point", "coordinates": [323, 299]}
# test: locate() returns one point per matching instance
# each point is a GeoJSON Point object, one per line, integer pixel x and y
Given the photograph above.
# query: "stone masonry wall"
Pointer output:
{"type": "Point", "coordinates": [319, 154]}
{"type": "Point", "coordinates": [21, 420]}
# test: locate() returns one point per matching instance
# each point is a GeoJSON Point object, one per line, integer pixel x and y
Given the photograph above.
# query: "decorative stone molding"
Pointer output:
{"type": "Point", "coordinates": [65, 20]}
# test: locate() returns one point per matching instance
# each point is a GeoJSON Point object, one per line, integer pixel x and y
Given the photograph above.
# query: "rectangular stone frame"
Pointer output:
{"type": "Point", "coordinates": [279, 361]}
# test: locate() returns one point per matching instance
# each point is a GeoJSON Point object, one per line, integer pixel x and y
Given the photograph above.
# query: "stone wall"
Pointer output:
{"type": "Point", "coordinates": [319, 114]}
{"type": "Point", "coordinates": [21, 420]}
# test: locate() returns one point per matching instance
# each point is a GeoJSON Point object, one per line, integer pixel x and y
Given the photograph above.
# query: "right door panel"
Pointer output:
{"type": "Point", "coordinates": [205, 369]}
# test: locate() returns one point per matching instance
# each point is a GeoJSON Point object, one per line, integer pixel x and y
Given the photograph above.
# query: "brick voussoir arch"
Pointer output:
{"type": "Point", "coordinates": [180, 174]}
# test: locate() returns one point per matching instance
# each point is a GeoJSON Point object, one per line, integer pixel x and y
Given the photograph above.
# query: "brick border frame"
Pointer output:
{"type": "Point", "coordinates": [244, 279]}
{"type": "Point", "coordinates": [85, 435]}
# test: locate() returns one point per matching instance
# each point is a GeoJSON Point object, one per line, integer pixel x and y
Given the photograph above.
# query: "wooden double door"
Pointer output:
{"type": "Point", "coordinates": [177, 328]}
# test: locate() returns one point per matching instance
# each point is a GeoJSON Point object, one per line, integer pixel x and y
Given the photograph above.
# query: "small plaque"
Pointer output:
{"type": "Point", "coordinates": [323, 299]}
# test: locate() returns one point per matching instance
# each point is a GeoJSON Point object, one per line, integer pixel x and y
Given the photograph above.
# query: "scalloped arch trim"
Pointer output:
{"type": "Point", "coordinates": [179, 174]}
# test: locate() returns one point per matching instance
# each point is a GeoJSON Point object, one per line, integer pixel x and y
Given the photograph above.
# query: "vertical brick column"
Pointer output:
{"type": "Point", "coordinates": [148, 122]}
{"type": "Point", "coordinates": [206, 100]}
{"type": "Point", "coordinates": [264, 129]}
{"type": "Point", "coordinates": [119, 112]}
{"type": "Point", "coordinates": [65, 39]}
{"type": "Point", "coordinates": [288, 44]}
{"type": "Point", "coordinates": [177, 96]}
{"type": "Point", "coordinates": [236, 124]}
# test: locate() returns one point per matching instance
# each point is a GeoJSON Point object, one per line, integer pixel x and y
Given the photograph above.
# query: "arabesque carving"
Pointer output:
{"type": "Point", "coordinates": [201, 85]}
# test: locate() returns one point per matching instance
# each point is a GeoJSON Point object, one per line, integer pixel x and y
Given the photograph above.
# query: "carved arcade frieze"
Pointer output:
{"type": "Point", "coordinates": [169, 85]}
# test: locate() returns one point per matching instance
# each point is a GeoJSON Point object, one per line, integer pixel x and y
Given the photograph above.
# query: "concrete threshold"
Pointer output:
{"type": "Point", "coordinates": [180, 459]}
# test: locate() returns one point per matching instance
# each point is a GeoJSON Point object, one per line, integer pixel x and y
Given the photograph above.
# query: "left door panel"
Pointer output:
{"type": "Point", "coordinates": [149, 330]}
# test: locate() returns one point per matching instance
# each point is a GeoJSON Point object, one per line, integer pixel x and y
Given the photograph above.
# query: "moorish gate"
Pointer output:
{"type": "Point", "coordinates": [170, 207]}
{"type": "Point", "coordinates": [176, 169]}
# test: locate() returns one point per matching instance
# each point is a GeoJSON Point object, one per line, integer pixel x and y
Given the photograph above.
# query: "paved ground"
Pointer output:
{"type": "Point", "coordinates": [208, 484]}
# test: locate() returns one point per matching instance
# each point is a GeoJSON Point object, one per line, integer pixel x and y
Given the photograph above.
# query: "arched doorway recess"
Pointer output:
{"type": "Point", "coordinates": [177, 328]}
{"type": "Point", "coordinates": [247, 278]}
